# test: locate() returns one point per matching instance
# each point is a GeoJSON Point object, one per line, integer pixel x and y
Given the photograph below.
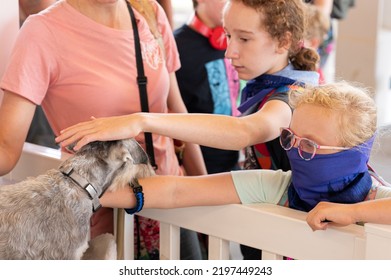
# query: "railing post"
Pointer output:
{"type": "Point", "coordinates": [218, 249]}
{"type": "Point", "coordinates": [270, 256]}
{"type": "Point", "coordinates": [378, 242]}
{"type": "Point", "coordinates": [169, 242]}
{"type": "Point", "coordinates": [124, 233]}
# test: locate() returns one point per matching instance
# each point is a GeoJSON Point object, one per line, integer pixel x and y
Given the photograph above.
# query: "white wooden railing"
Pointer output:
{"type": "Point", "coordinates": [278, 231]}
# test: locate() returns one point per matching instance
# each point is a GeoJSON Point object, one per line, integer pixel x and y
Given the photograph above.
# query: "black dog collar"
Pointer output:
{"type": "Point", "coordinates": [85, 185]}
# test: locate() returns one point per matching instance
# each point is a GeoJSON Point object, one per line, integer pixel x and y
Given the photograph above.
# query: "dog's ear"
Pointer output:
{"type": "Point", "coordinates": [132, 151]}
{"type": "Point", "coordinates": [138, 153]}
{"type": "Point", "coordinates": [126, 156]}
{"type": "Point", "coordinates": [70, 147]}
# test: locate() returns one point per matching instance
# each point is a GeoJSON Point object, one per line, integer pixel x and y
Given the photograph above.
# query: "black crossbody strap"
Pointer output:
{"type": "Point", "coordinates": [142, 84]}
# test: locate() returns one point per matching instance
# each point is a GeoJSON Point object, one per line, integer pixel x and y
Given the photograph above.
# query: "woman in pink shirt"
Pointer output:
{"type": "Point", "coordinates": [77, 60]}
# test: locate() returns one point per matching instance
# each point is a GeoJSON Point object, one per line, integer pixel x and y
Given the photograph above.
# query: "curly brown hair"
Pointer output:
{"type": "Point", "coordinates": [285, 20]}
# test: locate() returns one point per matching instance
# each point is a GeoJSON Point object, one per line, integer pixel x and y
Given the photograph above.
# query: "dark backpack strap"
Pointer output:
{"type": "Point", "coordinates": [142, 85]}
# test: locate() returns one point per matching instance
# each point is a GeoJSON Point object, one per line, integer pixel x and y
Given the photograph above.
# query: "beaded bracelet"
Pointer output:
{"type": "Point", "coordinates": [138, 192]}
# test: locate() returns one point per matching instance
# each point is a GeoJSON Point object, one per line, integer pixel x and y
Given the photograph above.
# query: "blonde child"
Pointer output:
{"type": "Point", "coordinates": [328, 143]}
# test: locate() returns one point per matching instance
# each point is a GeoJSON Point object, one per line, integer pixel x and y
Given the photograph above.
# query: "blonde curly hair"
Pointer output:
{"type": "Point", "coordinates": [354, 105]}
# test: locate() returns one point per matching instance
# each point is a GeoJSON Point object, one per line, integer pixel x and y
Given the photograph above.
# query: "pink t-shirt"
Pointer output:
{"type": "Point", "coordinates": [77, 68]}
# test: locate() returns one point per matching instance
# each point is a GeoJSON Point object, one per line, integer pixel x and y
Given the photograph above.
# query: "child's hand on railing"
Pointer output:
{"type": "Point", "coordinates": [327, 212]}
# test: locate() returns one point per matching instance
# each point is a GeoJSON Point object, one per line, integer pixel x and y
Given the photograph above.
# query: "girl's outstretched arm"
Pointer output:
{"type": "Point", "coordinates": [176, 192]}
{"type": "Point", "coordinates": [212, 130]}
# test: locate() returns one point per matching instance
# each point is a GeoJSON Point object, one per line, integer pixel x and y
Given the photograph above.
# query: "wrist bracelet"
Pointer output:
{"type": "Point", "coordinates": [138, 193]}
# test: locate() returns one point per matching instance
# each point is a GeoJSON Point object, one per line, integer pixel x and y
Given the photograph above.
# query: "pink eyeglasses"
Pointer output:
{"type": "Point", "coordinates": [306, 147]}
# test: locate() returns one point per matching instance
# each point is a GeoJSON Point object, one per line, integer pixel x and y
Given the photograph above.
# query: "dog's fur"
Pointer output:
{"type": "Point", "coordinates": [48, 217]}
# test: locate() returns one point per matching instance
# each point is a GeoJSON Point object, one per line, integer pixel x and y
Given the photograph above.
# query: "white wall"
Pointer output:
{"type": "Point", "coordinates": [182, 11]}
{"type": "Point", "coordinates": [386, 14]}
{"type": "Point", "coordinates": [357, 43]}
{"type": "Point", "coordinates": [9, 26]}
{"type": "Point", "coordinates": [363, 51]}
{"type": "Point", "coordinates": [383, 73]}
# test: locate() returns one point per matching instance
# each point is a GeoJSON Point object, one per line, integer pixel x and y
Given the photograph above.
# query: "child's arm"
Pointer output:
{"type": "Point", "coordinates": [372, 211]}
{"type": "Point", "coordinates": [176, 192]}
{"type": "Point", "coordinates": [212, 130]}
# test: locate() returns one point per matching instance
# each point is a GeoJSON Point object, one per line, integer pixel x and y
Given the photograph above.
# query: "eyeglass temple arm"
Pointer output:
{"type": "Point", "coordinates": [332, 147]}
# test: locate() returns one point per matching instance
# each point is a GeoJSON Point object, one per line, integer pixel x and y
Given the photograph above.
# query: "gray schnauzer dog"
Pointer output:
{"type": "Point", "coordinates": [48, 217]}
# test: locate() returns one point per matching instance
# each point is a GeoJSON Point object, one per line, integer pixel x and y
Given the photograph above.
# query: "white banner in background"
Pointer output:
{"type": "Point", "coordinates": [112, 270]}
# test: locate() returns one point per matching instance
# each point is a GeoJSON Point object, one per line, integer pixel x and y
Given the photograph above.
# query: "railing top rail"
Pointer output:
{"type": "Point", "coordinates": [268, 227]}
